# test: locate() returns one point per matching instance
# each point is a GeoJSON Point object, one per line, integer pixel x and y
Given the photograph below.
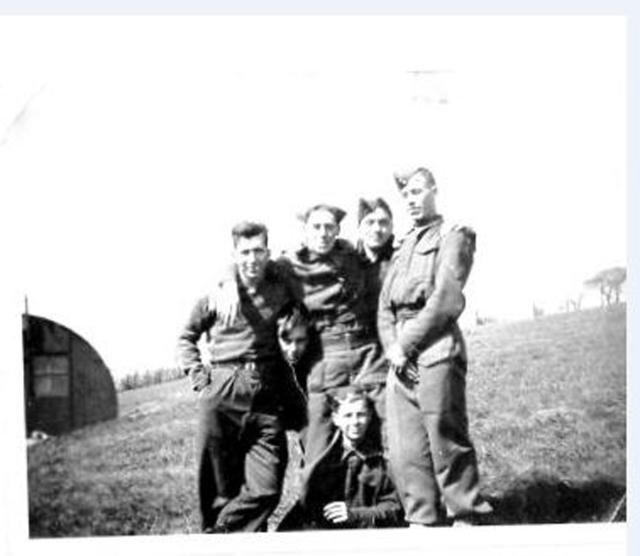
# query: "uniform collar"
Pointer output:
{"type": "Point", "coordinates": [430, 223]}
{"type": "Point", "coordinates": [340, 246]}
{"type": "Point", "coordinates": [269, 277]}
{"type": "Point", "coordinates": [367, 449]}
{"type": "Point", "coordinates": [383, 254]}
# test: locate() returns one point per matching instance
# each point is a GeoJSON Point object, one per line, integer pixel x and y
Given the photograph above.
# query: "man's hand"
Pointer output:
{"type": "Point", "coordinates": [199, 379]}
{"type": "Point", "coordinates": [336, 512]}
{"type": "Point", "coordinates": [227, 302]}
{"type": "Point", "coordinates": [399, 363]}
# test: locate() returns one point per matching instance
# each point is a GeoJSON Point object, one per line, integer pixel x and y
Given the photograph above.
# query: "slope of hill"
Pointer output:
{"type": "Point", "coordinates": [547, 408]}
{"type": "Point", "coordinates": [547, 414]}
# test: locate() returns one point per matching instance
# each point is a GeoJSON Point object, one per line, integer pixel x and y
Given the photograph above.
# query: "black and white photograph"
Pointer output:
{"type": "Point", "coordinates": [329, 280]}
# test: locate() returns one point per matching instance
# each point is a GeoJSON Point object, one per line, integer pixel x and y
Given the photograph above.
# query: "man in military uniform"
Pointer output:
{"type": "Point", "coordinates": [431, 455]}
{"type": "Point", "coordinates": [328, 275]}
{"type": "Point", "coordinates": [333, 284]}
{"type": "Point", "coordinates": [348, 485]}
{"type": "Point", "coordinates": [376, 247]}
{"type": "Point", "coordinates": [244, 384]}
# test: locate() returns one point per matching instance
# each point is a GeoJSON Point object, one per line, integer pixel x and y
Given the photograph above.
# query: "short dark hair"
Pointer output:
{"type": "Point", "coordinates": [293, 316]}
{"type": "Point", "coordinates": [248, 230]}
{"type": "Point", "coordinates": [350, 393]}
{"type": "Point", "coordinates": [338, 213]}
{"type": "Point", "coordinates": [402, 179]}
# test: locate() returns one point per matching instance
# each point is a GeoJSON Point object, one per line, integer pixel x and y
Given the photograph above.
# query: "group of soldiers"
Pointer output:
{"type": "Point", "coordinates": [355, 347]}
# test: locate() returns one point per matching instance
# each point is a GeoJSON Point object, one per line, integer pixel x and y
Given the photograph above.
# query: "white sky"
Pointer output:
{"type": "Point", "coordinates": [146, 138]}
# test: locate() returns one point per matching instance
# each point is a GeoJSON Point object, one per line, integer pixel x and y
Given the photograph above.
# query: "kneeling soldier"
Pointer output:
{"type": "Point", "coordinates": [347, 486]}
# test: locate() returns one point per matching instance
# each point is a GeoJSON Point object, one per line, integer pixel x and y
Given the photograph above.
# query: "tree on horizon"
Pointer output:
{"type": "Point", "coordinates": [609, 282]}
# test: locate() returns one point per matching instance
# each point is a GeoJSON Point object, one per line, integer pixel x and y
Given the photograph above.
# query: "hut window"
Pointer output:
{"type": "Point", "coordinates": [51, 376]}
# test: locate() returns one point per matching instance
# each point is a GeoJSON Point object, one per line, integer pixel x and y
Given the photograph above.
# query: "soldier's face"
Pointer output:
{"type": "Point", "coordinates": [352, 417]}
{"type": "Point", "coordinates": [321, 231]}
{"type": "Point", "coordinates": [251, 256]}
{"type": "Point", "coordinates": [376, 228]}
{"type": "Point", "coordinates": [419, 198]}
{"type": "Point", "coordinates": [293, 343]}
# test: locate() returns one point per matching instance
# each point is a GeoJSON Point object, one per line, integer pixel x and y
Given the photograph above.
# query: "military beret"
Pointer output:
{"type": "Point", "coordinates": [403, 178]}
{"type": "Point", "coordinates": [338, 213]}
{"type": "Point", "coordinates": [366, 206]}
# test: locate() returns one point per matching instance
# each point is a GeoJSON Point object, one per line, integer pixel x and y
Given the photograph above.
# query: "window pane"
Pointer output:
{"type": "Point", "coordinates": [51, 386]}
{"type": "Point", "coordinates": [44, 365]}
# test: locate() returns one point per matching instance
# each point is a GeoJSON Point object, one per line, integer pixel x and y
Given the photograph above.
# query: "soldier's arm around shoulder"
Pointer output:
{"type": "Point", "coordinates": [188, 356]}
{"type": "Point", "coordinates": [283, 269]}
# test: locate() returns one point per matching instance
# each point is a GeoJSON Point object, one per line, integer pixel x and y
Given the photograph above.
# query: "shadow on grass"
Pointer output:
{"type": "Point", "coordinates": [541, 499]}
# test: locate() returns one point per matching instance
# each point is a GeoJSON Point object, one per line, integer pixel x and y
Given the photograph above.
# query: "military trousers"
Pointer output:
{"type": "Point", "coordinates": [364, 365]}
{"type": "Point", "coordinates": [433, 461]}
{"type": "Point", "coordinates": [241, 450]}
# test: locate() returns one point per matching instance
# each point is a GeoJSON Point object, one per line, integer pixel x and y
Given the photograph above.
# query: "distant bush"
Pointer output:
{"type": "Point", "coordinates": [140, 379]}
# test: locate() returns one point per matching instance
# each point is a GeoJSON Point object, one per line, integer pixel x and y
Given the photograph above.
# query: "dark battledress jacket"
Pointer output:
{"type": "Point", "coordinates": [251, 338]}
{"type": "Point", "coordinates": [332, 286]}
{"type": "Point", "coordinates": [375, 275]}
{"type": "Point", "coordinates": [337, 289]}
{"type": "Point", "coordinates": [357, 477]}
{"type": "Point", "coordinates": [248, 396]}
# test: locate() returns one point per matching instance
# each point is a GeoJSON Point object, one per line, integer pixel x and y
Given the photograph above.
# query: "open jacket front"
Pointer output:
{"type": "Point", "coordinates": [357, 477]}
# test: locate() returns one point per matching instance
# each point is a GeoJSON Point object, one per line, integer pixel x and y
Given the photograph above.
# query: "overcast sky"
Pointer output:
{"type": "Point", "coordinates": [129, 146]}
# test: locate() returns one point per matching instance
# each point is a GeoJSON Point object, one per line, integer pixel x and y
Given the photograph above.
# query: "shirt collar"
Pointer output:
{"type": "Point", "coordinates": [384, 253]}
{"type": "Point", "coordinates": [269, 277]}
{"type": "Point", "coordinates": [309, 256]}
{"type": "Point", "coordinates": [364, 451]}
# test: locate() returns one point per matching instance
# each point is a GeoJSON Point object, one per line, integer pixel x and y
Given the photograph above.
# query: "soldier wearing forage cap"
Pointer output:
{"type": "Point", "coordinates": [328, 276]}
{"type": "Point", "coordinates": [431, 455]}
{"type": "Point", "coordinates": [334, 286]}
{"type": "Point", "coordinates": [375, 229]}
{"type": "Point", "coordinates": [376, 247]}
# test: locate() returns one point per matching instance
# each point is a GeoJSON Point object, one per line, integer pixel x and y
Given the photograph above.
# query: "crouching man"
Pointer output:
{"type": "Point", "coordinates": [244, 386]}
{"type": "Point", "coordinates": [347, 486]}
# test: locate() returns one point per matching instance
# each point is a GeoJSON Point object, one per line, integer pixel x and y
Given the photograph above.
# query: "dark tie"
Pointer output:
{"type": "Point", "coordinates": [351, 478]}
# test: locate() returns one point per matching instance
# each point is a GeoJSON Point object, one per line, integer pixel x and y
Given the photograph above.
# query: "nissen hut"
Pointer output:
{"type": "Point", "coordinates": [67, 385]}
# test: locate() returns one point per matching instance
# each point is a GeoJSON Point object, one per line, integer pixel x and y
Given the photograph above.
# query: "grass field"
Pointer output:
{"type": "Point", "coordinates": [547, 410]}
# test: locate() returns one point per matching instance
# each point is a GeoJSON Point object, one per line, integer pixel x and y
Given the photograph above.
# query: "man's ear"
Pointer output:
{"type": "Point", "coordinates": [335, 418]}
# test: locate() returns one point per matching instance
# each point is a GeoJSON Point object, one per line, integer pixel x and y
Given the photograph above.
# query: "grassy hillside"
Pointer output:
{"type": "Point", "coordinates": [546, 408]}
{"type": "Point", "coordinates": [547, 405]}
